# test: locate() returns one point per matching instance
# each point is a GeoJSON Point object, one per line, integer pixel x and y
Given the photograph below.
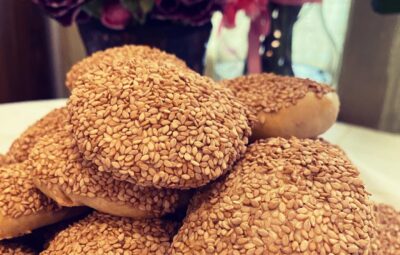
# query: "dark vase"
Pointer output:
{"type": "Point", "coordinates": [186, 42]}
{"type": "Point", "coordinates": [277, 56]}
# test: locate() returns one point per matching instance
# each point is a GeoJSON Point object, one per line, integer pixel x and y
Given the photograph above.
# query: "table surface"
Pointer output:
{"type": "Point", "coordinates": [375, 153]}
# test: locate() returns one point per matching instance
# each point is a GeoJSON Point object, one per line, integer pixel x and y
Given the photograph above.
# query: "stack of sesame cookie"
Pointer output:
{"type": "Point", "coordinates": [142, 136]}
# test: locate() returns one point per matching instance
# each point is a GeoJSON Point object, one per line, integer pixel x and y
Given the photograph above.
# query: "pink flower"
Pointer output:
{"type": "Point", "coordinates": [115, 16]}
{"type": "Point", "coordinates": [257, 11]}
{"type": "Point", "coordinates": [253, 8]}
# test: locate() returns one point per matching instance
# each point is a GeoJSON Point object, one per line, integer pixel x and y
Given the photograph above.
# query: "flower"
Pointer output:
{"type": "Point", "coordinates": [192, 12]}
{"type": "Point", "coordinates": [114, 15]}
{"type": "Point", "coordinates": [253, 8]}
{"type": "Point", "coordinates": [64, 11]}
{"type": "Point", "coordinates": [258, 12]}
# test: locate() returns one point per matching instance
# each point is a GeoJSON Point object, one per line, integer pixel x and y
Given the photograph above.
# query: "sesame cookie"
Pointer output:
{"type": "Point", "coordinates": [13, 248]}
{"type": "Point", "coordinates": [61, 173]}
{"type": "Point", "coordinates": [388, 226]}
{"type": "Point", "coordinates": [157, 125]}
{"type": "Point", "coordinates": [22, 206]}
{"type": "Point", "coordinates": [21, 147]}
{"type": "Point", "coordinates": [101, 59]}
{"type": "Point", "coordinates": [286, 196]}
{"type": "Point", "coordinates": [286, 106]}
{"type": "Point", "coordinates": [105, 234]}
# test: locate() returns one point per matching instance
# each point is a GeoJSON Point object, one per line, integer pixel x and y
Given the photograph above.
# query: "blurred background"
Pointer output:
{"type": "Point", "coordinates": [353, 45]}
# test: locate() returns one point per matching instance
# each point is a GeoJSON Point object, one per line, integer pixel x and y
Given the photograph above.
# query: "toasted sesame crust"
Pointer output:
{"type": "Point", "coordinates": [12, 248]}
{"type": "Point", "coordinates": [388, 226]}
{"type": "Point", "coordinates": [59, 167]}
{"type": "Point", "coordinates": [105, 234]}
{"type": "Point", "coordinates": [4, 160]}
{"type": "Point", "coordinates": [21, 147]}
{"type": "Point", "coordinates": [101, 59]}
{"type": "Point", "coordinates": [295, 196]}
{"type": "Point", "coordinates": [157, 125]}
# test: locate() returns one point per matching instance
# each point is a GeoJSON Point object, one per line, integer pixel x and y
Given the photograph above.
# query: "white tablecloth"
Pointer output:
{"type": "Point", "coordinates": [377, 154]}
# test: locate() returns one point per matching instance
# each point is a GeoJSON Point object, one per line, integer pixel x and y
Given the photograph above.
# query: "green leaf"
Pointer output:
{"type": "Point", "coordinates": [139, 8]}
{"type": "Point", "coordinates": [146, 6]}
{"type": "Point", "coordinates": [131, 5]}
{"type": "Point", "coordinates": [93, 8]}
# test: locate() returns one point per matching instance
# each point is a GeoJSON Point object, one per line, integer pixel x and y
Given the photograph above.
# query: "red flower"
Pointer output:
{"type": "Point", "coordinates": [114, 15]}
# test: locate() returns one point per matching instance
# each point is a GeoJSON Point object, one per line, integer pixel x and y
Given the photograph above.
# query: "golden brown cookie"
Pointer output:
{"type": "Point", "coordinates": [105, 234]}
{"type": "Point", "coordinates": [286, 196]}
{"type": "Point", "coordinates": [14, 248]}
{"type": "Point", "coordinates": [156, 125]}
{"type": "Point", "coordinates": [102, 59]}
{"type": "Point", "coordinates": [21, 147]}
{"type": "Point", "coordinates": [286, 106]}
{"type": "Point", "coordinates": [388, 226]}
{"type": "Point", "coordinates": [22, 206]}
{"type": "Point", "coordinates": [61, 173]}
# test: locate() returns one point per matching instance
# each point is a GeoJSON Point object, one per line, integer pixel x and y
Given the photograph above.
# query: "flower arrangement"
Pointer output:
{"type": "Point", "coordinates": [119, 14]}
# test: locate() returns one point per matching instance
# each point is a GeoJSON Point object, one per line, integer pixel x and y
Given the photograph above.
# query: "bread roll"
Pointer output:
{"type": "Point", "coordinates": [157, 125]}
{"type": "Point", "coordinates": [22, 206]}
{"type": "Point", "coordinates": [15, 248]}
{"type": "Point", "coordinates": [286, 106]}
{"type": "Point", "coordinates": [286, 196]}
{"type": "Point", "coordinates": [105, 234]}
{"type": "Point", "coordinates": [62, 174]}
